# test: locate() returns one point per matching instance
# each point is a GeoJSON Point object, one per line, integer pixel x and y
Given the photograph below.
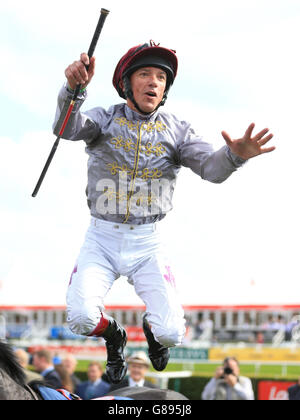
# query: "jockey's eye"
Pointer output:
{"type": "Point", "coordinates": [162, 77]}
{"type": "Point", "coordinates": [144, 74]}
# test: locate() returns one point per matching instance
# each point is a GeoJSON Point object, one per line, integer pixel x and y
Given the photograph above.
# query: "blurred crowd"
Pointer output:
{"type": "Point", "coordinates": [60, 373]}
{"type": "Point", "coordinates": [204, 330]}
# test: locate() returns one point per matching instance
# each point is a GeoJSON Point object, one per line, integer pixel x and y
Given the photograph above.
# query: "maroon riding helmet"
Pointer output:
{"type": "Point", "coordinates": [146, 55]}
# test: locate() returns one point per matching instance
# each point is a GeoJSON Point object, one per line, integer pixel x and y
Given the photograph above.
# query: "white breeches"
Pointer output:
{"type": "Point", "coordinates": [112, 250]}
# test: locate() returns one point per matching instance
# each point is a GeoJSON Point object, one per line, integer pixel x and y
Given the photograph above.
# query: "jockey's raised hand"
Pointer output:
{"type": "Point", "coordinates": [250, 146]}
{"type": "Point", "coordinates": [77, 74]}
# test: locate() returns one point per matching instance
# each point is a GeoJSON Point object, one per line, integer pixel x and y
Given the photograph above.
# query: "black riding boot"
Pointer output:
{"type": "Point", "coordinates": [158, 354]}
{"type": "Point", "coordinates": [116, 339]}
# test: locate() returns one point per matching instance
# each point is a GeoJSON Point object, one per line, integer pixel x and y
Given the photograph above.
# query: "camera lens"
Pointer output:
{"type": "Point", "coordinates": [228, 371]}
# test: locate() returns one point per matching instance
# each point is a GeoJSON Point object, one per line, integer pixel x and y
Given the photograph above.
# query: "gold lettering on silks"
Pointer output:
{"type": "Point", "coordinates": [147, 192]}
{"type": "Point", "coordinates": [120, 196]}
{"type": "Point", "coordinates": [124, 122]}
{"type": "Point", "coordinates": [157, 149]}
{"type": "Point", "coordinates": [120, 142]}
{"type": "Point", "coordinates": [148, 149]}
{"type": "Point", "coordinates": [148, 126]}
{"type": "Point", "coordinates": [144, 174]}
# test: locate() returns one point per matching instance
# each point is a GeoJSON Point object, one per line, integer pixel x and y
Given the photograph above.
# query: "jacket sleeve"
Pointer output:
{"type": "Point", "coordinates": [211, 165]}
{"type": "Point", "coordinates": [209, 391]}
{"type": "Point", "coordinates": [81, 126]}
{"type": "Point", "coordinates": [244, 389]}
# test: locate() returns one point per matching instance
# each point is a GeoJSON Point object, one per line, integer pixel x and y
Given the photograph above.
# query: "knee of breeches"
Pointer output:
{"type": "Point", "coordinates": [83, 320]}
{"type": "Point", "coordinates": [171, 337]}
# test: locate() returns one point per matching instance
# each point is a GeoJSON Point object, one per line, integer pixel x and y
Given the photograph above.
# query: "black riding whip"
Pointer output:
{"type": "Point", "coordinates": [103, 16]}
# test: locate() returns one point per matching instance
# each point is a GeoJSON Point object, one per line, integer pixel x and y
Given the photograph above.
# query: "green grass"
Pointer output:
{"type": "Point", "coordinates": [208, 370]}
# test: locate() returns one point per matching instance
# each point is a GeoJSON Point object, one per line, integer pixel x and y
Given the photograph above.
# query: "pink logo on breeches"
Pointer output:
{"type": "Point", "coordinates": [74, 272]}
{"type": "Point", "coordinates": [169, 277]}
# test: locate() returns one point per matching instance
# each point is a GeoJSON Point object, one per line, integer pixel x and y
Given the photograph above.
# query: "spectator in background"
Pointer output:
{"type": "Point", "coordinates": [65, 377]}
{"type": "Point", "coordinates": [279, 324]}
{"type": "Point", "coordinates": [247, 322]}
{"type": "Point", "coordinates": [198, 330]}
{"type": "Point", "coordinates": [274, 324]}
{"type": "Point", "coordinates": [293, 328]}
{"type": "Point", "coordinates": [42, 361]}
{"type": "Point", "coordinates": [294, 392]}
{"type": "Point", "coordinates": [208, 329]}
{"type": "Point", "coordinates": [138, 366]}
{"type": "Point", "coordinates": [260, 338]}
{"type": "Point", "coordinates": [95, 387]}
{"type": "Point", "coordinates": [69, 363]}
{"type": "Point", "coordinates": [268, 328]}
{"type": "Point", "coordinates": [228, 384]}
{"type": "Point", "coordinates": [204, 328]}
{"type": "Point", "coordinates": [23, 358]}
{"type": "Point", "coordinates": [269, 325]}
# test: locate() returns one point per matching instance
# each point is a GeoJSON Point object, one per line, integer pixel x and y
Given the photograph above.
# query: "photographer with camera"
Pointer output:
{"type": "Point", "coordinates": [227, 383]}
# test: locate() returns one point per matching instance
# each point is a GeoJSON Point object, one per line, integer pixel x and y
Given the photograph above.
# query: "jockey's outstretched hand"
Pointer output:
{"type": "Point", "coordinates": [250, 145]}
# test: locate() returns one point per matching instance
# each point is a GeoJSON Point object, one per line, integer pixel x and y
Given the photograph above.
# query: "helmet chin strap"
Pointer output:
{"type": "Point", "coordinates": [129, 95]}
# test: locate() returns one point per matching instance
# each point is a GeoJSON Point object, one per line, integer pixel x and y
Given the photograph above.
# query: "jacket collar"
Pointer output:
{"type": "Point", "coordinates": [133, 115]}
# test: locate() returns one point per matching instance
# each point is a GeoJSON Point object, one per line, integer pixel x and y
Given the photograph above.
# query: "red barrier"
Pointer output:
{"type": "Point", "coordinates": [135, 334]}
{"type": "Point", "coordinates": [274, 390]}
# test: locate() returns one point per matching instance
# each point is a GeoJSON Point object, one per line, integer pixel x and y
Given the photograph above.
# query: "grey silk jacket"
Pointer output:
{"type": "Point", "coordinates": [134, 160]}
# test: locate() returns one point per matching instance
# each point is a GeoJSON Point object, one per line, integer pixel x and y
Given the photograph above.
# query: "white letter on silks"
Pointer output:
{"type": "Point", "coordinates": [107, 202]}
{"type": "Point", "coordinates": [123, 192]}
{"type": "Point", "coordinates": [161, 192]}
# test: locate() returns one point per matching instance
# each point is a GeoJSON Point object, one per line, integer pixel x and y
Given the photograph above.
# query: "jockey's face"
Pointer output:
{"type": "Point", "coordinates": [148, 85]}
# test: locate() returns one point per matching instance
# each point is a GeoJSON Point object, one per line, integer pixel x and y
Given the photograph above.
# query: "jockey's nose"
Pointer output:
{"type": "Point", "coordinates": [153, 81]}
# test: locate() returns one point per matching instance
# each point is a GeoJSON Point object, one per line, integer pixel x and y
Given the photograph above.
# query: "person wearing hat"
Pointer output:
{"type": "Point", "coordinates": [135, 153]}
{"type": "Point", "coordinates": [138, 367]}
